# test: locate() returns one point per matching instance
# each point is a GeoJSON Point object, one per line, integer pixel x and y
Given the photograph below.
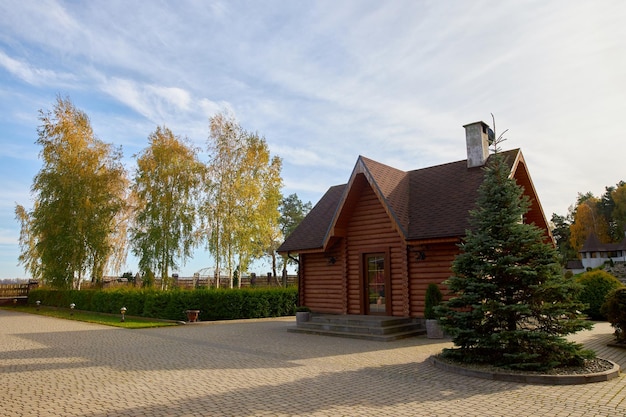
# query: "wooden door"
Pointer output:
{"type": "Point", "coordinates": [376, 284]}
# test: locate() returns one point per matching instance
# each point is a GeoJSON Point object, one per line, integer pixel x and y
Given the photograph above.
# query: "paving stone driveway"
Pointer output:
{"type": "Point", "coordinates": [53, 367]}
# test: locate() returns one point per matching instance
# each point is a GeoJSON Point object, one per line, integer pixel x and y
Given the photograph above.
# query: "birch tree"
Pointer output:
{"type": "Point", "coordinates": [79, 194]}
{"type": "Point", "coordinates": [28, 257]}
{"type": "Point", "coordinates": [268, 206]}
{"type": "Point", "coordinates": [243, 196]}
{"type": "Point", "coordinates": [166, 191]}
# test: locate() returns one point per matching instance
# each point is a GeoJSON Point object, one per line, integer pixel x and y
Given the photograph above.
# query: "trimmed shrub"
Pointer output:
{"type": "Point", "coordinates": [614, 308]}
{"type": "Point", "coordinates": [596, 285]}
{"type": "Point", "coordinates": [432, 300]}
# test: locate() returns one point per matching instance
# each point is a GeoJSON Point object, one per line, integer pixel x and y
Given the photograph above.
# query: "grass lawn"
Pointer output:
{"type": "Point", "coordinates": [130, 322]}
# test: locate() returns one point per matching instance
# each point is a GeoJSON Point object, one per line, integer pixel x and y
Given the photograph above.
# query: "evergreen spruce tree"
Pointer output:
{"type": "Point", "coordinates": [511, 304]}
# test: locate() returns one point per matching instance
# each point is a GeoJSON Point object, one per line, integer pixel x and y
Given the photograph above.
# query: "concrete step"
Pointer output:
{"type": "Point", "coordinates": [381, 328]}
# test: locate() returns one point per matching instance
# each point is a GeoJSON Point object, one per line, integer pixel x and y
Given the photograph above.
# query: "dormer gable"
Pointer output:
{"type": "Point", "coordinates": [391, 187]}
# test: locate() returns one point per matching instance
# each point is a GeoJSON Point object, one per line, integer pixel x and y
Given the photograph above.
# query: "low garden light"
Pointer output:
{"type": "Point", "coordinates": [123, 311]}
{"type": "Point", "coordinates": [72, 309]}
{"type": "Point", "coordinates": [38, 304]}
{"type": "Point", "coordinates": [15, 302]}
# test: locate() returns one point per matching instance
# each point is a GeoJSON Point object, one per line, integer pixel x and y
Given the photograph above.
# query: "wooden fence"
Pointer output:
{"type": "Point", "coordinates": [10, 292]}
{"type": "Point", "coordinates": [16, 293]}
{"type": "Point", "coordinates": [252, 280]}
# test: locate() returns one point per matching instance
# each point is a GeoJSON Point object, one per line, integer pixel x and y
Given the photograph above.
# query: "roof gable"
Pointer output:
{"type": "Point", "coordinates": [390, 185]}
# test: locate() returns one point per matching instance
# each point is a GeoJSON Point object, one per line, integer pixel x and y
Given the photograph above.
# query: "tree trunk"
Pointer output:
{"type": "Point", "coordinates": [274, 265]}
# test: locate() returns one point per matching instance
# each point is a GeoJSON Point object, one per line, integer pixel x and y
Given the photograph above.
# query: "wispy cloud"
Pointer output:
{"type": "Point", "coordinates": [46, 22]}
{"type": "Point", "coordinates": [33, 75]}
{"type": "Point", "coordinates": [159, 104]}
{"type": "Point", "coordinates": [8, 237]}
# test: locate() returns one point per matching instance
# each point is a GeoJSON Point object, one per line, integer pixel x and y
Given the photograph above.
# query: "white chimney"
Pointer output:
{"type": "Point", "coordinates": [478, 140]}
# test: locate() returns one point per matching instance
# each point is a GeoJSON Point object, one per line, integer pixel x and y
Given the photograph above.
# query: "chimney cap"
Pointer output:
{"type": "Point", "coordinates": [491, 135]}
{"type": "Point", "coordinates": [478, 122]}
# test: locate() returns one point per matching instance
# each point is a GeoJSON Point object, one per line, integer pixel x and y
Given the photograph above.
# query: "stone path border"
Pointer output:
{"type": "Point", "coordinates": [543, 379]}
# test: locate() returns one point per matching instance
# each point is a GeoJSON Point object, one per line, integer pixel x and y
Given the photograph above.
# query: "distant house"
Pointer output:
{"type": "Point", "coordinates": [575, 266]}
{"type": "Point", "coordinates": [373, 245]}
{"type": "Point", "coordinates": [594, 254]}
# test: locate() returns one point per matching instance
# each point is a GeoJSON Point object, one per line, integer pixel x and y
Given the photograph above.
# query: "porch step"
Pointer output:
{"type": "Point", "coordinates": [381, 328]}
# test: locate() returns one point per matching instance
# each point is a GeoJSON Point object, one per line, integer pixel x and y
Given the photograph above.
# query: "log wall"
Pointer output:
{"type": "Point", "coordinates": [435, 268]}
{"type": "Point", "coordinates": [321, 290]}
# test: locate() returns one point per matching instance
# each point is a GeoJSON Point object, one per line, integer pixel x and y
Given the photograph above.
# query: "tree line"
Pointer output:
{"type": "Point", "coordinates": [88, 211]}
{"type": "Point", "coordinates": [604, 216]}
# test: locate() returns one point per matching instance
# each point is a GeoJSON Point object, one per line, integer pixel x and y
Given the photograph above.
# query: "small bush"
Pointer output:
{"type": "Point", "coordinates": [596, 285]}
{"type": "Point", "coordinates": [432, 300]}
{"type": "Point", "coordinates": [614, 308]}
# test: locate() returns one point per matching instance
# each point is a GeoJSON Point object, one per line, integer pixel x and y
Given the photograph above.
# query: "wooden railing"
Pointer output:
{"type": "Point", "coordinates": [246, 281]}
{"type": "Point", "coordinates": [15, 290]}
{"type": "Point", "coordinates": [10, 292]}
{"type": "Point", "coordinates": [199, 282]}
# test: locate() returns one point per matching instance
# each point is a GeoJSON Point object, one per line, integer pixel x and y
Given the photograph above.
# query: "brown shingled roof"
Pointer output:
{"type": "Point", "coordinates": [311, 232]}
{"type": "Point", "coordinates": [593, 244]}
{"type": "Point", "coordinates": [426, 203]}
{"type": "Point", "coordinates": [441, 198]}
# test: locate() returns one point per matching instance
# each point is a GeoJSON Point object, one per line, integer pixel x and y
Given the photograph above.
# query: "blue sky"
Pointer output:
{"type": "Point", "coordinates": [324, 82]}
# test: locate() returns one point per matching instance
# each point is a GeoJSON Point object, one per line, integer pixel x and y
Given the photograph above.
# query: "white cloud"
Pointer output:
{"type": "Point", "coordinates": [158, 104]}
{"type": "Point", "coordinates": [33, 75]}
{"type": "Point", "coordinates": [45, 22]}
{"type": "Point", "coordinates": [172, 96]}
{"type": "Point", "coordinates": [301, 156]}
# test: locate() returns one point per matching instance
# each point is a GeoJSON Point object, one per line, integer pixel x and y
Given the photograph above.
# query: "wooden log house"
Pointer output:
{"type": "Point", "coordinates": [372, 246]}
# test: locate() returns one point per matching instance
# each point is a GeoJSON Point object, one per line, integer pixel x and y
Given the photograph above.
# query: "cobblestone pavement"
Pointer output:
{"type": "Point", "coordinates": [54, 367]}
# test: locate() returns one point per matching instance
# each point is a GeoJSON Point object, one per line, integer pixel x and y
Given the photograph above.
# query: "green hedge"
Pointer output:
{"type": "Point", "coordinates": [214, 304]}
